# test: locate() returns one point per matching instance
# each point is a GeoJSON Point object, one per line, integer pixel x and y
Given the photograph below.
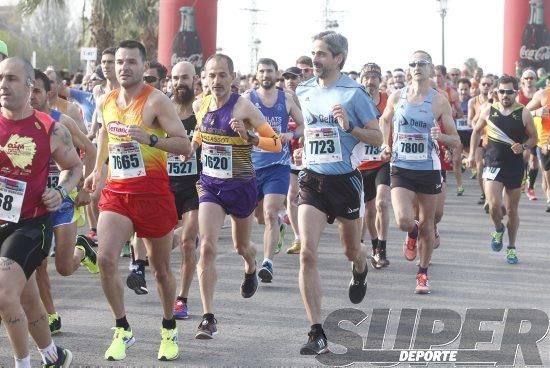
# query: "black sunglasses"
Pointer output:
{"type": "Point", "coordinates": [506, 91]}
{"type": "Point", "coordinates": [150, 79]}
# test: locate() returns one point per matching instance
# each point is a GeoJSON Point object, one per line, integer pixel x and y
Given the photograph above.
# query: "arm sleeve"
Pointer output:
{"type": "Point", "coordinates": [81, 97]}
{"type": "Point", "coordinates": [268, 139]}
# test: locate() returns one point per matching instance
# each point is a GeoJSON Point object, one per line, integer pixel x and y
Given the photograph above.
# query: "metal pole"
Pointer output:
{"type": "Point", "coordinates": [443, 37]}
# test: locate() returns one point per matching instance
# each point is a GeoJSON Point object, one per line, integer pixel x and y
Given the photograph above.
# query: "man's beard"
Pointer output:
{"type": "Point", "coordinates": [183, 95]}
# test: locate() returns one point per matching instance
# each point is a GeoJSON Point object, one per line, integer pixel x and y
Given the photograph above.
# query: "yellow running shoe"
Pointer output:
{"type": "Point", "coordinates": [169, 349]}
{"type": "Point", "coordinates": [90, 256]}
{"type": "Point", "coordinates": [122, 339]}
{"type": "Point", "coordinates": [295, 247]}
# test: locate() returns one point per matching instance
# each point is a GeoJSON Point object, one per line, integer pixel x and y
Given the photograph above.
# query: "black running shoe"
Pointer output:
{"type": "Point", "coordinates": [481, 199]}
{"type": "Point", "coordinates": [136, 280]}
{"type": "Point", "coordinates": [90, 256]}
{"type": "Point", "coordinates": [249, 285]}
{"type": "Point", "coordinates": [207, 329]}
{"type": "Point", "coordinates": [382, 260]}
{"type": "Point", "coordinates": [358, 285]}
{"type": "Point", "coordinates": [316, 344]}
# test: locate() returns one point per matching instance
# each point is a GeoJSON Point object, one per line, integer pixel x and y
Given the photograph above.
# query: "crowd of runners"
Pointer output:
{"type": "Point", "coordinates": [153, 160]}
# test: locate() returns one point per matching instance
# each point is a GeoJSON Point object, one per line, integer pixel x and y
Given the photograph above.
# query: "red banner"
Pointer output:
{"type": "Point", "coordinates": [187, 31]}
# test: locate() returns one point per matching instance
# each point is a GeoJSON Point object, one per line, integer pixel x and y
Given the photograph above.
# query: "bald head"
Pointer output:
{"type": "Point", "coordinates": [24, 64]}
{"type": "Point", "coordinates": [183, 67]}
{"type": "Point", "coordinates": [16, 81]}
{"type": "Point", "coordinates": [183, 79]}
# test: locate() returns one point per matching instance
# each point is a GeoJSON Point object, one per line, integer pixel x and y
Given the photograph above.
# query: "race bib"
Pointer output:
{"type": "Point", "coordinates": [125, 160]}
{"type": "Point", "coordinates": [217, 161]}
{"type": "Point", "coordinates": [53, 175]}
{"type": "Point", "coordinates": [412, 146]}
{"type": "Point", "coordinates": [322, 145]}
{"type": "Point", "coordinates": [490, 173]}
{"type": "Point", "coordinates": [177, 167]}
{"type": "Point", "coordinates": [12, 193]}
{"type": "Point", "coordinates": [371, 153]}
{"type": "Point", "coordinates": [462, 124]}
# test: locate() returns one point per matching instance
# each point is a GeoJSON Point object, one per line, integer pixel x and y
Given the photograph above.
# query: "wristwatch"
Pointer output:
{"type": "Point", "coordinates": [350, 129]}
{"type": "Point", "coordinates": [153, 139]}
{"type": "Point", "coordinates": [525, 147]}
{"type": "Point", "coordinates": [62, 191]}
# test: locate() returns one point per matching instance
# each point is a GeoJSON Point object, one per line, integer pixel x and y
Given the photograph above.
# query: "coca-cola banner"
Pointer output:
{"type": "Point", "coordinates": [187, 31]}
{"type": "Point", "coordinates": [526, 35]}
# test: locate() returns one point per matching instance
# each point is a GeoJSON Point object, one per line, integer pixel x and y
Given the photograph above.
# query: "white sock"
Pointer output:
{"type": "Point", "coordinates": [49, 353]}
{"type": "Point", "coordinates": [23, 362]}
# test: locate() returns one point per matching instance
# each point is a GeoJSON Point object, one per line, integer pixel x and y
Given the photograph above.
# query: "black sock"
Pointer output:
{"type": "Point", "coordinates": [382, 245]}
{"type": "Point", "coordinates": [423, 270]}
{"type": "Point", "coordinates": [511, 247]}
{"type": "Point", "coordinates": [93, 229]}
{"type": "Point", "coordinates": [374, 243]}
{"type": "Point", "coordinates": [122, 322]}
{"type": "Point", "coordinates": [182, 299]}
{"type": "Point", "coordinates": [169, 324]}
{"type": "Point", "coordinates": [533, 173]}
{"type": "Point", "coordinates": [414, 233]}
{"type": "Point", "coordinates": [140, 265]}
{"type": "Point", "coordinates": [208, 316]}
{"type": "Point", "coordinates": [317, 329]}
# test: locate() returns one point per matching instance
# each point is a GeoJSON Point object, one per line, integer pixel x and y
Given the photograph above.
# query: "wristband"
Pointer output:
{"type": "Point", "coordinates": [350, 129]}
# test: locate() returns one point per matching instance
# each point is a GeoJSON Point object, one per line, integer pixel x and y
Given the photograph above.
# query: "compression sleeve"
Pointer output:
{"type": "Point", "coordinates": [268, 140]}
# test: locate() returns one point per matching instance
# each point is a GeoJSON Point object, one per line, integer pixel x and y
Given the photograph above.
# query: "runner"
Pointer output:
{"type": "Point", "coordinates": [227, 184]}
{"type": "Point", "coordinates": [510, 132]}
{"type": "Point", "coordinates": [306, 66]}
{"type": "Point", "coordinates": [463, 126]}
{"type": "Point", "coordinates": [340, 116]}
{"type": "Point", "coordinates": [376, 177]}
{"type": "Point", "coordinates": [137, 198]}
{"type": "Point", "coordinates": [62, 105]}
{"type": "Point", "coordinates": [273, 169]}
{"type": "Point", "coordinates": [28, 139]}
{"type": "Point", "coordinates": [415, 173]}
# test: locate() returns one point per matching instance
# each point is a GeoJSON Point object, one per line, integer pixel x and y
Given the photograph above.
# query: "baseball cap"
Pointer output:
{"type": "Point", "coordinates": [371, 69]}
{"type": "Point", "coordinates": [293, 71]}
{"type": "Point", "coordinates": [3, 48]}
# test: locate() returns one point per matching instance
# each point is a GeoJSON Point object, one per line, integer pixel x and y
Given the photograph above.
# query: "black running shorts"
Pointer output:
{"type": "Point", "coordinates": [373, 178]}
{"type": "Point", "coordinates": [418, 181]}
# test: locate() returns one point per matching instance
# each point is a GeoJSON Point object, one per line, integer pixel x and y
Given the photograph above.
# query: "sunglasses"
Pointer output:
{"type": "Point", "coordinates": [413, 64]}
{"type": "Point", "coordinates": [528, 78]}
{"type": "Point", "coordinates": [149, 78]}
{"type": "Point", "coordinates": [290, 77]}
{"type": "Point", "coordinates": [305, 70]}
{"type": "Point", "coordinates": [486, 84]}
{"type": "Point", "coordinates": [506, 91]}
{"type": "Point", "coordinates": [453, 75]}
{"type": "Point", "coordinates": [280, 79]}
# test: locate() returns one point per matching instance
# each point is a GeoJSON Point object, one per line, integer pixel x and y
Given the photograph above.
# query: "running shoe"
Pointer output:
{"type": "Point", "coordinates": [409, 247]}
{"type": "Point", "coordinates": [511, 256]}
{"type": "Point", "coordinates": [169, 349]}
{"type": "Point", "coordinates": [358, 285]}
{"type": "Point", "coordinates": [316, 344]}
{"type": "Point", "coordinates": [531, 194]}
{"type": "Point", "coordinates": [422, 286]}
{"type": "Point", "coordinates": [486, 207]}
{"type": "Point", "coordinates": [64, 359]}
{"type": "Point", "coordinates": [266, 272]}
{"type": "Point", "coordinates": [459, 191]}
{"type": "Point", "coordinates": [374, 258]}
{"type": "Point", "coordinates": [90, 256]}
{"type": "Point", "coordinates": [122, 340]}
{"type": "Point", "coordinates": [92, 234]}
{"type": "Point", "coordinates": [181, 310]}
{"type": "Point", "coordinates": [126, 252]}
{"type": "Point", "coordinates": [548, 206]}
{"type": "Point", "coordinates": [496, 240]}
{"type": "Point", "coordinates": [136, 280]}
{"type": "Point", "coordinates": [474, 174]}
{"type": "Point", "coordinates": [207, 329]}
{"type": "Point", "coordinates": [282, 232]}
{"type": "Point", "coordinates": [296, 246]}
{"type": "Point", "coordinates": [481, 199]}
{"type": "Point", "coordinates": [382, 260]}
{"type": "Point", "coordinates": [249, 285]}
{"type": "Point", "coordinates": [54, 320]}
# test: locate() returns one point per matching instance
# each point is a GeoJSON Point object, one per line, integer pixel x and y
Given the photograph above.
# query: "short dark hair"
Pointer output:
{"type": "Point", "coordinates": [442, 69]}
{"type": "Point", "coordinates": [38, 74]}
{"type": "Point", "coordinates": [505, 79]}
{"type": "Point", "coordinates": [465, 81]}
{"type": "Point", "coordinates": [267, 61]}
{"type": "Point", "coordinates": [161, 69]}
{"type": "Point", "coordinates": [109, 50]}
{"type": "Point", "coordinates": [219, 57]}
{"type": "Point", "coordinates": [305, 60]}
{"type": "Point", "coordinates": [132, 44]}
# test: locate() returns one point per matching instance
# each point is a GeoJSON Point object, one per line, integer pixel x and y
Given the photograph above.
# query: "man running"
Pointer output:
{"type": "Point", "coordinates": [306, 66]}
{"type": "Point", "coordinates": [376, 176]}
{"type": "Point", "coordinates": [273, 169]}
{"type": "Point", "coordinates": [28, 139]}
{"type": "Point", "coordinates": [510, 132]}
{"type": "Point", "coordinates": [137, 198]}
{"type": "Point", "coordinates": [413, 113]}
{"type": "Point", "coordinates": [227, 184]}
{"type": "Point", "coordinates": [62, 105]}
{"type": "Point", "coordinates": [340, 116]}
{"type": "Point", "coordinates": [526, 92]}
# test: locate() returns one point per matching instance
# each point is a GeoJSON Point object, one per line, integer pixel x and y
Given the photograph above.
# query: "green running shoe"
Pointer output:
{"type": "Point", "coordinates": [511, 256]}
{"type": "Point", "coordinates": [168, 345]}
{"type": "Point", "coordinates": [496, 241]}
{"type": "Point", "coordinates": [90, 256]}
{"type": "Point", "coordinates": [54, 320]}
{"type": "Point", "coordinates": [122, 339]}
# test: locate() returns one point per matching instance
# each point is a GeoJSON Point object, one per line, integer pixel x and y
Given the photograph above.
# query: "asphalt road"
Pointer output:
{"type": "Point", "coordinates": [268, 329]}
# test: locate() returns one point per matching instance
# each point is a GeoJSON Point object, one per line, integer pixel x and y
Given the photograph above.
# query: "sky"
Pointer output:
{"type": "Point", "coordinates": [381, 31]}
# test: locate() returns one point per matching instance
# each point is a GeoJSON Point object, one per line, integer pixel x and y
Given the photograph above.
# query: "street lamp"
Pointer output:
{"type": "Point", "coordinates": [443, 13]}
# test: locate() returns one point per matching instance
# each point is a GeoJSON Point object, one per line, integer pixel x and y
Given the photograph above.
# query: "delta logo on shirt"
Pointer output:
{"type": "Point", "coordinates": [117, 128]}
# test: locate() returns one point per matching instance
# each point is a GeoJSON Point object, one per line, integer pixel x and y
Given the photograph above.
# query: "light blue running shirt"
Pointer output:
{"type": "Point", "coordinates": [328, 149]}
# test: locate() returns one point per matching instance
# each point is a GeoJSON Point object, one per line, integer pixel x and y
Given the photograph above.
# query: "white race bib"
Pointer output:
{"type": "Point", "coordinates": [412, 146]}
{"type": "Point", "coordinates": [217, 161]}
{"type": "Point", "coordinates": [371, 153]}
{"type": "Point", "coordinates": [322, 145]}
{"type": "Point", "coordinates": [490, 172]}
{"type": "Point", "coordinates": [12, 193]}
{"type": "Point", "coordinates": [462, 124]}
{"type": "Point", "coordinates": [177, 167]}
{"type": "Point", "coordinates": [126, 160]}
{"type": "Point", "coordinates": [53, 175]}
